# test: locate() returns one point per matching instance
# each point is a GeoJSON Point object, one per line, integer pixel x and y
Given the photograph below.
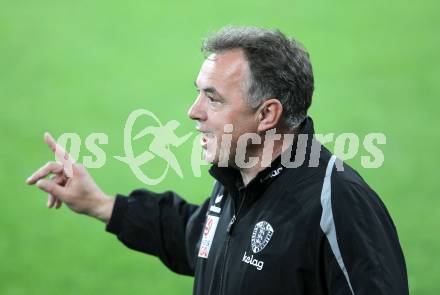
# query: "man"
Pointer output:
{"type": "Point", "coordinates": [271, 225]}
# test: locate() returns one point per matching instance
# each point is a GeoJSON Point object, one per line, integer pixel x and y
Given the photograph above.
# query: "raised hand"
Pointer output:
{"type": "Point", "coordinates": [71, 184]}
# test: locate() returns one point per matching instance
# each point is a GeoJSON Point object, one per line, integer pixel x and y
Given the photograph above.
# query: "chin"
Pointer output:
{"type": "Point", "coordinates": [209, 157]}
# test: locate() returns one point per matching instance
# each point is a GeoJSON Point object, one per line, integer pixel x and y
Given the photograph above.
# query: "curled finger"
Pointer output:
{"type": "Point", "coordinates": [52, 200]}
{"type": "Point", "coordinates": [50, 167]}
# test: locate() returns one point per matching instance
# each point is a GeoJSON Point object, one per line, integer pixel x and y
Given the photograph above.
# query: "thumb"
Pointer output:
{"type": "Point", "coordinates": [50, 186]}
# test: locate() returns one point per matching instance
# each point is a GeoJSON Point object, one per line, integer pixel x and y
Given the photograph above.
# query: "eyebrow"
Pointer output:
{"type": "Point", "coordinates": [208, 90]}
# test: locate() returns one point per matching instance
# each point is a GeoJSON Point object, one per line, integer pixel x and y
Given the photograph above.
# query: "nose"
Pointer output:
{"type": "Point", "coordinates": [197, 111]}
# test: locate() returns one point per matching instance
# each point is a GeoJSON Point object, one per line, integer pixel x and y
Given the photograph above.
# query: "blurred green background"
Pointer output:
{"type": "Point", "coordinates": [83, 66]}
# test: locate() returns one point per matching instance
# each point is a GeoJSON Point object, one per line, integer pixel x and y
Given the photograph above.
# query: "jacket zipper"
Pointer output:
{"type": "Point", "coordinates": [228, 239]}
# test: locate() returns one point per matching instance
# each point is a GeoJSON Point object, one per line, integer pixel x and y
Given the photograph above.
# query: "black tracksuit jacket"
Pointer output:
{"type": "Point", "coordinates": [304, 230]}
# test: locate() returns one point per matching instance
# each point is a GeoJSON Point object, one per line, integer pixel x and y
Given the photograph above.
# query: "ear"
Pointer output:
{"type": "Point", "coordinates": [269, 114]}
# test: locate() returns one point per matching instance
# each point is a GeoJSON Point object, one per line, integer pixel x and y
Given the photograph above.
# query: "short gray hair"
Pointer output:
{"type": "Point", "coordinates": [279, 68]}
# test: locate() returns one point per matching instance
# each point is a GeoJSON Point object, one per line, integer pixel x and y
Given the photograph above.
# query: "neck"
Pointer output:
{"type": "Point", "coordinates": [265, 158]}
{"type": "Point", "coordinates": [247, 174]}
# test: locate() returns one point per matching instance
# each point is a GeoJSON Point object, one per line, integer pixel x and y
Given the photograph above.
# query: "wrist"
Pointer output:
{"type": "Point", "coordinates": [103, 209]}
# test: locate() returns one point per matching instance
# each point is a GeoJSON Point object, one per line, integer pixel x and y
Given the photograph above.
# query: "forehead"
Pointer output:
{"type": "Point", "coordinates": [223, 70]}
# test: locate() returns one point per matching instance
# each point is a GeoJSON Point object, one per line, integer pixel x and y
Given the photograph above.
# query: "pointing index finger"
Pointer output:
{"type": "Point", "coordinates": [60, 154]}
{"type": "Point", "coordinates": [50, 141]}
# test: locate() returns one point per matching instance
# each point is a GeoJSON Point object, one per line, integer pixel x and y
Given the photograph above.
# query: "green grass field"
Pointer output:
{"type": "Point", "coordinates": [83, 66]}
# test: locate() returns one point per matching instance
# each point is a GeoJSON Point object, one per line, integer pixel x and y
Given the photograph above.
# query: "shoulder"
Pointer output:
{"type": "Point", "coordinates": [348, 187]}
{"type": "Point", "coordinates": [332, 183]}
{"type": "Point", "coordinates": [353, 201]}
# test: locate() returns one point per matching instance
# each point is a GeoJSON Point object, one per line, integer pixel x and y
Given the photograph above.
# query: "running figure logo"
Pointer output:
{"type": "Point", "coordinates": [163, 137]}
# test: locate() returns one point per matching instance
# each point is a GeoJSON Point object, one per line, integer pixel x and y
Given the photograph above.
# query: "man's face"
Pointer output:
{"type": "Point", "coordinates": [222, 100]}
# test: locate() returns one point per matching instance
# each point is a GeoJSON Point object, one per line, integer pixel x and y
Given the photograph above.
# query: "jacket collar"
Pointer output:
{"type": "Point", "coordinates": [233, 182]}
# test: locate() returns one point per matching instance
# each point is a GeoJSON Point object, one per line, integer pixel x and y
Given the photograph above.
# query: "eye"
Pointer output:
{"type": "Point", "coordinates": [213, 101]}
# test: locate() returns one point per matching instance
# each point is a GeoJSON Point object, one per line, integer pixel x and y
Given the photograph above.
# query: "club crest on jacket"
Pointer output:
{"type": "Point", "coordinates": [261, 235]}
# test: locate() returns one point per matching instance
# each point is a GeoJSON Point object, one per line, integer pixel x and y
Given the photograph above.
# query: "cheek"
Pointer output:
{"type": "Point", "coordinates": [241, 122]}
{"type": "Point", "coordinates": [246, 140]}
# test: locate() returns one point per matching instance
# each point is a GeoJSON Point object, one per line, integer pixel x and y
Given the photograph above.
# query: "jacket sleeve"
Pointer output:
{"type": "Point", "coordinates": [361, 252]}
{"type": "Point", "coordinates": [162, 224]}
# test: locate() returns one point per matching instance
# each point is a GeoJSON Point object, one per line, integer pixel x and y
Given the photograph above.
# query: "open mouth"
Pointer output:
{"type": "Point", "coordinates": [204, 140]}
{"type": "Point", "coordinates": [205, 136]}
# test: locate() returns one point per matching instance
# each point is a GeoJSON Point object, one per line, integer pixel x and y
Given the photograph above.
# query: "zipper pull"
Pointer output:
{"type": "Point", "coordinates": [231, 223]}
